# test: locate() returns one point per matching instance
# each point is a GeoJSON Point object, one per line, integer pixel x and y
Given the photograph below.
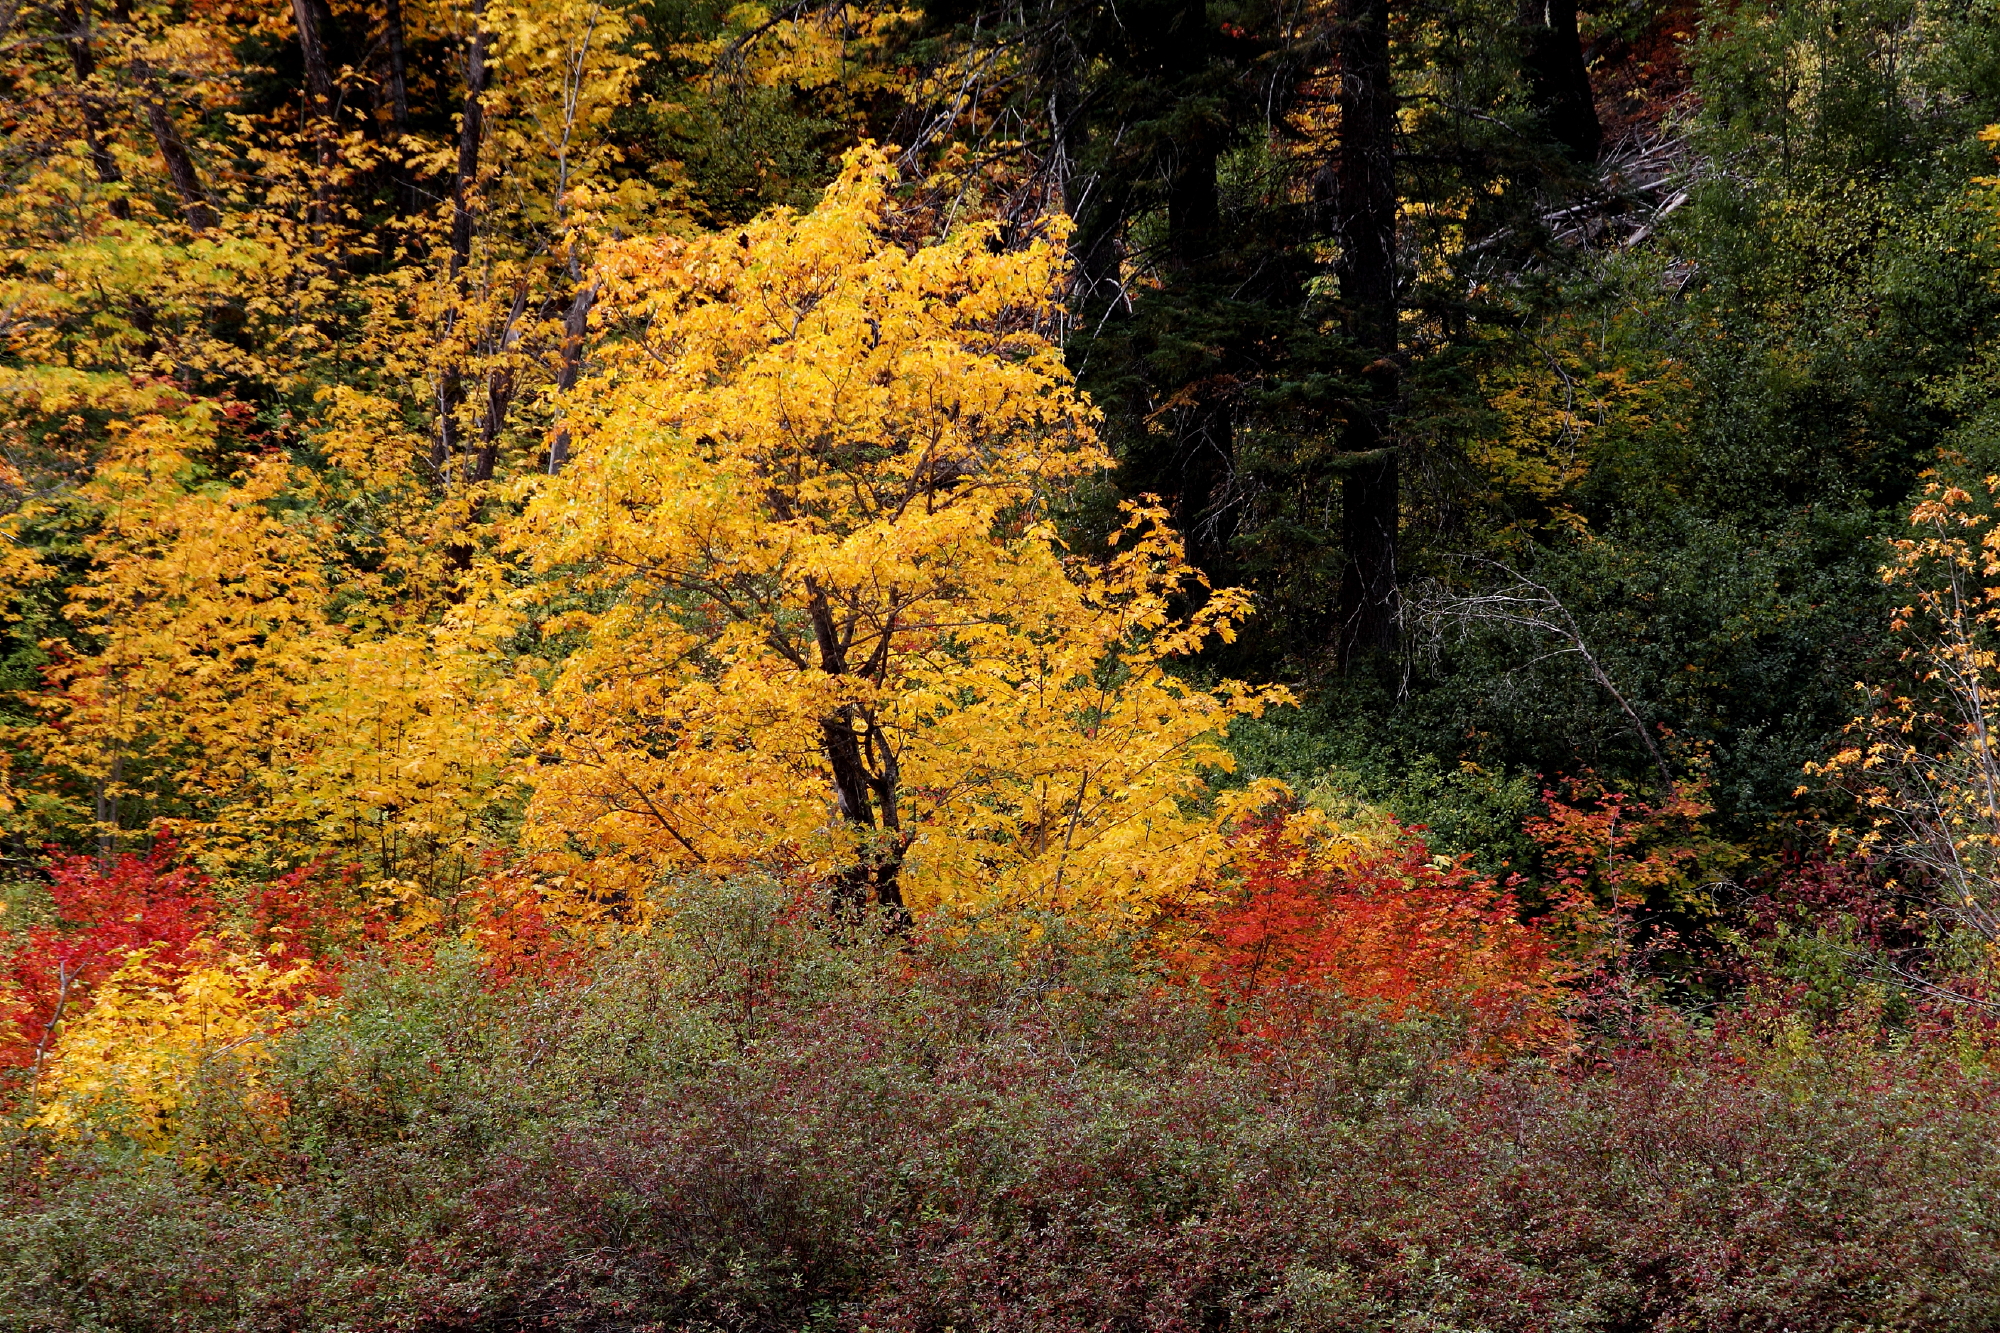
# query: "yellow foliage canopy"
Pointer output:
{"type": "Point", "coordinates": [131, 1063]}
{"type": "Point", "coordinates": [225, 671]}
{"type": "Point", "coordinates": [820, 610]}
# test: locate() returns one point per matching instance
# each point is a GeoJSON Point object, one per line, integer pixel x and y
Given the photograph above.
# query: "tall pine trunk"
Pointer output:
{"type": "Point", "coordinates": [1365, 226]}
{"type": "Point", "coordinates": [1557, 77]}
{"type": "Point", "coordinates": [1207, 445]}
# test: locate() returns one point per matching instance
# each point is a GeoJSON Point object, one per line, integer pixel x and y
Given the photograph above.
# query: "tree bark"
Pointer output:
{"type": "Point", "coordinates": [399, 82]}
{"type": "Point", "coordinates": [471, 126]}
{"type": "Point", "coordinates": [451, 396]}
{"type": "Point", "coordinates": [499, 397]}
{"type": "Point", "coordinates": [173, 150]}
{"type": "Point", "coordinates": [1207, 460]}
{"type": "Point", "coordinates": [167, 136]}
{"type": "Point", "coordinates": [1558, 80]}
{"type": "Point", "coordinates": [1365, 226]}
{"type": "Point", "coordinates": [314, 23]}
{"type": "Point", "coordinates": [96, 128]}
{"type": "Point", "coordinates": [846, 737]}
{"type": "Point", "coordinates": [576, 325]}
{"type": "Point", "coordinates": [451, 389]}
{"type": "Point", "coordinates": [312, 50]}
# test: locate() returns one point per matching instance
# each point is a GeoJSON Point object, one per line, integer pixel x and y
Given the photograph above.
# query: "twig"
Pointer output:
{"type": "Point", "coordinates": [1526, 604]}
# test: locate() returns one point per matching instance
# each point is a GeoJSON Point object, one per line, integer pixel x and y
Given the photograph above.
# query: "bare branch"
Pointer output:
{"type": "Point", "coordinates": [1525, 604]}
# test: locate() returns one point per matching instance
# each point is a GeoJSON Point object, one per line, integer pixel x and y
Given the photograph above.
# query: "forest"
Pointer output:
{"type": "Point", "coordinates": [1328, 666]}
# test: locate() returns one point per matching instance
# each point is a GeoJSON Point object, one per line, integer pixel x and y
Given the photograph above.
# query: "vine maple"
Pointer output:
{"type": "Point", "coordinates": [129, 1064]}
{"type": "Point", "coordinates": [1312, 914]}
{"type": "Point", "coordinates": [818, 605]}
{"type": "Point", "coordinates": [102, 915]}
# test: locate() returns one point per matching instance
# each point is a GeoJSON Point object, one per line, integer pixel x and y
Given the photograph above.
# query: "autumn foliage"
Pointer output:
{"type": "Point", "coordinates": [838, 623]}
{"type": "Point", "coordinates": [102, 916]}
{"type": "Point", "coordinates": [1312, 918]}
{"type": "Point", "coordinates": [438, 534]}
{"type": "Point", "coordinates": [745, 1120]}
{"type": "Point", "coordinates": [143, 976]}
{"type": "Point", "coordinates": [1626, 851]}
{"type": "Point", "coordinates": [717, 666]}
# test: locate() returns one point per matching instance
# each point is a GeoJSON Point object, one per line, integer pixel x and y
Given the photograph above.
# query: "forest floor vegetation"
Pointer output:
{"type": "Point", "coordinates": [755, 1116]}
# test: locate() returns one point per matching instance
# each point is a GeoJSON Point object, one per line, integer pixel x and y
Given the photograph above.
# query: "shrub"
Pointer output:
{"type": "Point", "coordinates": [99, 914]}
{"type": "Point", "coordinates": [747, 1120]}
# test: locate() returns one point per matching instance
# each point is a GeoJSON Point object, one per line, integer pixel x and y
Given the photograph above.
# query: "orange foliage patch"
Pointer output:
{"type": "Point", "coordinates": [518, 937]}
{"type": "Point", "coordinates": [1624, 851]}
{"type": "Point", "coordinates": [1314, 918]}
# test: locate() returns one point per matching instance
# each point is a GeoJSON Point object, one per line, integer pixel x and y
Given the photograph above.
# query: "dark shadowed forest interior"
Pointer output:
{"type": "Point", "coordinates": [1013, 665]}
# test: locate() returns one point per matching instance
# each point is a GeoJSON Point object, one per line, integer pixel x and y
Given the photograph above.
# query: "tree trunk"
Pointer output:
{"type": "Point", "coordinates": [576, 325]}
{"type": "Point", "coordinates": [451, 397]}
{"type": "Point", "coordinates": [1365, 226]}
{"type": "Point", "coordinates": [470, 127]}
{"type": "Point", "coordinates": [399, 82]}
{"type": "Point", "coordinates": [499, 394]}
{"type": "Point", "coordinates": [846, 736]}
{"type": "Point", "coordinates": [1370, 492]}
{"type": "Point", "coordinates": [312, 50]}
{"type": "Point", "coordinates": [167, 136]}
{"type": "Point", "coordinates": [96, 128]}
{"type": "Point", "coordinates": [180, 163]}
{"type": "Point", "coordinates": [1558, 80]}
{"type": "Point", "coordinates": [499, 397]}
{"type": "Point", "coordinates": [316, 36]}
{"type": "Point", "coordinates": [451, 388]}
{"type": "Point", "coordinates": [1207, 442]}
{"type": "Point", "coordinates": [1207, 459]}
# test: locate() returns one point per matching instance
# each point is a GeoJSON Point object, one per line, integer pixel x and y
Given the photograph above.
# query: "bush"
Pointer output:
{"type": "Point", "coordinates": [749, 1121]}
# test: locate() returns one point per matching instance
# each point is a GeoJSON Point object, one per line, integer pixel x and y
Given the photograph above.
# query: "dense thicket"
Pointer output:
{"type": "Point", "coordinates": [995, 663]}
{"type": "Point", "coordinates": [737, 1126]}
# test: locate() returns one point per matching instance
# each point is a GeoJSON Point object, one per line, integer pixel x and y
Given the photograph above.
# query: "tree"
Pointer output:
{"type": "Point", "coordinates": [1558, 76]}
{"type": "Point", "coordinates": [818, 614]}
{"type": "Point", "coordinates": [230, 426]}
{"type": "Point", "coordinates": [1925, 758]}
{"type": "Point", "coordinates": [232, 702]}
{"type": "Point", "coordinates": [1296, 225]}
{"type": "Point", "coordinates": [1364, 226]}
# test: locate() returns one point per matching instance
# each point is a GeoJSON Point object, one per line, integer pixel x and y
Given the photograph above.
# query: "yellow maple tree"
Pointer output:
{"type": "Point", "coordinates": [816, 604]}
{"type": "Point", "coordinates": [233, 703]}
{"type": "Point", "coordinates": [265, 417]}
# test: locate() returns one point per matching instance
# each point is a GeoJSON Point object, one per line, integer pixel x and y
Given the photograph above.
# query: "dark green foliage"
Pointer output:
{"type": "Point", "coordinates": [722, 147]}
{"type": "Point", "coordinates": [1826, 289]}
{"type": "Point", "coordinates": [1348, 766]}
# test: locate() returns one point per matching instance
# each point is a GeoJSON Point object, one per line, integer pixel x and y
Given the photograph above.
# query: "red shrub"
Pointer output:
{"type": "Point", "coordinates": [102, 914]}
{"type": "Point", "coordinates": [1391, 924]}
{"type": "Point", "coordinates": [1624, 850]}
{"type": "Point", "coordinates": [516, 934]}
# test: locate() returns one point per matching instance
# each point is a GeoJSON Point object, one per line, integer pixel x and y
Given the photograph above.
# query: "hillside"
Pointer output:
{"type": "Point", "coordinates": [1185, 666]}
